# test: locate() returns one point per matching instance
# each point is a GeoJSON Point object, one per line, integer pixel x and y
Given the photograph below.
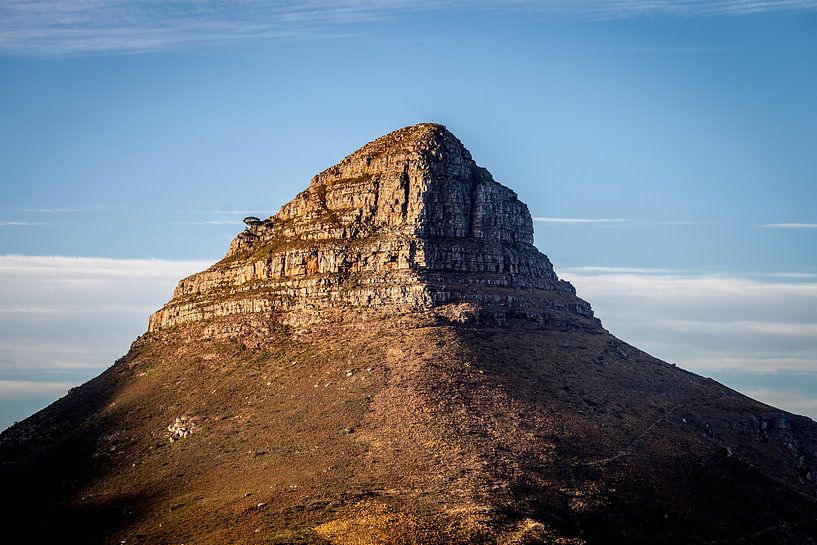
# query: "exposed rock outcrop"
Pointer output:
{"type": "Point", "coordinates": [408, 221]}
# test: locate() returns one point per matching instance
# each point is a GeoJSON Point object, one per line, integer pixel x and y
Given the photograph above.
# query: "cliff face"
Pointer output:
{"type": "Point", "coordinates": [389, 360]}
{"type": "Point", "coordinates": [408, 222]}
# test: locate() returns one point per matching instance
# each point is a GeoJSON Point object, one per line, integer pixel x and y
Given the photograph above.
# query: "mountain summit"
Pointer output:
{"type": "Point", "coordinates": [390, 360]}
{"type": "Point", "coordinates": [408, 222]}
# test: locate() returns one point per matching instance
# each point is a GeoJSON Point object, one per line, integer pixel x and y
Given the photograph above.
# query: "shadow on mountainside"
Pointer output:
{"type": "Point", "coordinates": [49, 460]}
{"type": "Point", "coordinates": [636, 446]}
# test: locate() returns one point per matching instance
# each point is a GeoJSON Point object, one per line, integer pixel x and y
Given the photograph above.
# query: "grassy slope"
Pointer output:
{"type": "Point", "coordinates": [440, 433]}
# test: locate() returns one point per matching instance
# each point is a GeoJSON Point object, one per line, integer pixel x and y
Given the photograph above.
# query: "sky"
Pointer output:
{"type": "Point", "coordinates": [666, 149]}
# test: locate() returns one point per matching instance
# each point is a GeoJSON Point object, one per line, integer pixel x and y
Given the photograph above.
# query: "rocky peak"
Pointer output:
{"type": "Point", "coordinates": [419, 180]}
{"type": "Point", "coordinates": [429, 143]}
{"type": "Point", "coordinates": [407, 221]}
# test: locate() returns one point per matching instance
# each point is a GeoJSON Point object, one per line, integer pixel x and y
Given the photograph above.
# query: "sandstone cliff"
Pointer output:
{"type": "Point", "coordinates": [408, 222]}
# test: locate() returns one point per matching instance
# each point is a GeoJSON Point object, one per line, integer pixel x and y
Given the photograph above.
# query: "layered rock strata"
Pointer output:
{"type": "Point", "coordinates": [408, 222]}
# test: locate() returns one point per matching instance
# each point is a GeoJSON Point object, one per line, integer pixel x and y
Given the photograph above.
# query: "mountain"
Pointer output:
{"type": "Point", "coordinates": [389, 359]}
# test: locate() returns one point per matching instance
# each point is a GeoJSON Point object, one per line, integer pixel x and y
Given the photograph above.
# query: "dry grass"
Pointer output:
{"type": "Point", "coordinates": [405, 430]}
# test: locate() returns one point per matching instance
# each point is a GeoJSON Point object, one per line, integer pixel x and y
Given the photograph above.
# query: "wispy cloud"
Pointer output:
{"type": "Point", "coordinates": [578, 221]}
{"type": "Point", "coordinates": [707, 322]}
{"type": "Point", "coordinates": [50, 210]}
{"type": "Point", "coordinates": [207, 222]}
{"type": "Point", "coordinates": [618, 270]}
{"type": "Point", "coordinates": [58, 27]}
{"type": "Point", "coordinates": [793, 400]}
{"type": "Point", "coordinates": [67, 268]}
{"type": "Point", "coordinates": [617, 221]}
{"type": "Point", "coordinates": [23, 389]}
{"type": "Point", "coordinates": [22, 223]}
{"type": "Point", "coordinates": [743, 327]}
{"type": "Point", "coordinates": [675, 49]}
{"type": "Point", "coordinates": [59, 312]}
{"type": "Point", "coordinates": [791, 225]}
{"type": "Point", "coordinates": [78, 309]}
{"type": "Point", "coordinates": [753, 329]}
{"type": "Point", "coordinates": [228, 212]}
{"type": "Point", "coordinates": [793, 275]}
{"type": "Point", "coordinates": [678, 222]}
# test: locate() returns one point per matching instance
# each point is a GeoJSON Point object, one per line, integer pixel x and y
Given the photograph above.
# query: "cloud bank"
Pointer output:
{"type": "Point", "coordinates": [24, 389]}
{"type": "Point", "coordinates": [73, 316]}
{"type": "Point", "coordinates": [578, 221]}
{"type": "Point", "coordinates": [59, 27]}
{"type": "Point", "coordinates": [65, 319]}
{"type": "Point", "coordinates": [707, 323]}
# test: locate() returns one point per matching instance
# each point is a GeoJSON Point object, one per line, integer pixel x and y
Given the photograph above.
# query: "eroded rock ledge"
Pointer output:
{"type": "Point", "coordinates": [407, 221]}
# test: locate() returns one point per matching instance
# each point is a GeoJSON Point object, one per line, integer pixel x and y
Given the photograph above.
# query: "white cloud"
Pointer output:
{"type": "Point", "coordinates": [794, 401]}
{"type": "Point", "coordinates": [793, 275]}
{"type": "Point", "coordinates": [578, 221]}
{"type": "Point", "coordinates": [21, 223]}
{"type": "Point", "coordinates": [791, 225]}
{"type": "Point", "coordinates": [677, 222]}
{"type": "Point", "coordinates": [707, 323]}
{"type": "Point", "coordinates": [67, 267]}
{"type": "Point", "coordinates": [617, 221]}
{"type": "Point", "coordinates": [63, 347]}
{"type": "Point", "coordinates": [58, 27]}
{"type": "Point", "coordinates": [58, 210]}
{"type": "Point", "coordinates": [62, 313]}
{"type": "Point", "coordinates": [743, 362]}
{"type": "Point", "coordinates": [24, 389]}
{"type": "Point", "coordinates": [208, 222]}
{"type": "Point", "coordinates": [742, 327]}
{"type": "Point", "coordinates": [228, 212]}
{"type": "Point", "coordinates": [752, 329]}
{"type": "Point", "coordinates": [617, 270]}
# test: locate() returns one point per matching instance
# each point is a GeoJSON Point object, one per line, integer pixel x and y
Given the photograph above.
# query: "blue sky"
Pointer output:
{"type": "Point", "coordinates": [664, 147]}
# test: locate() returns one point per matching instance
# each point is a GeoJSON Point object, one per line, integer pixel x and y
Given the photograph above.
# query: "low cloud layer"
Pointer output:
{"type": "Point", "coordinates": [578, 221]}
{"type": "Point", "coordinates": [65, 319]}
{"type": "Point", "coordinates": [793, 400]}
{"type": "Point", "coordinates": [755, 333]}
{"type": "Point", "coordinates": [708, 323]}
{"type": "Point", "coordinates": [24, 389]}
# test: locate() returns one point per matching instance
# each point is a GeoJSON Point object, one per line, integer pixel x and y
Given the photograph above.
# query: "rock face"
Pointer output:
{"type": "Point", "coordinates": [407, 222]}
{"type": "Point", "coordinates": [389, 360]}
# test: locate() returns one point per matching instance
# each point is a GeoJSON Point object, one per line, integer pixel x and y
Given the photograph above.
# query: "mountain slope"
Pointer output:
{"type": "Point", "coordinates": [389, 359]}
